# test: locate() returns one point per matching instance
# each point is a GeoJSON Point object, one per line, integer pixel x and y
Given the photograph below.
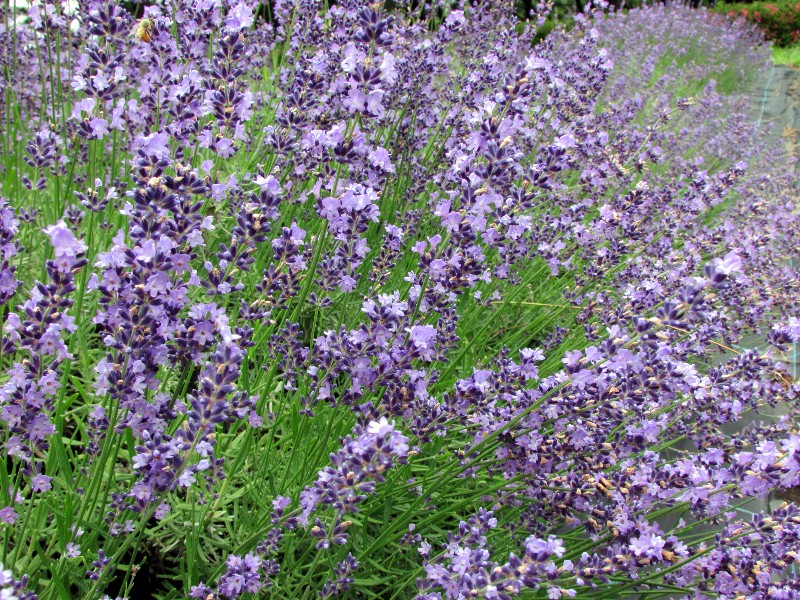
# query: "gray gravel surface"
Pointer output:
{"type": "Point", "coordinates": [775, 102]}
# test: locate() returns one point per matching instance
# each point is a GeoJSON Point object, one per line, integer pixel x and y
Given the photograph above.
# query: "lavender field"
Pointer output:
{"type": "Point", "coordinates": [309, 300]}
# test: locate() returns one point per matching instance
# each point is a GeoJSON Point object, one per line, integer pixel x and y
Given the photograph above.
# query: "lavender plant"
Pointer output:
{"type": "Point", "coordinates": [314, 301]}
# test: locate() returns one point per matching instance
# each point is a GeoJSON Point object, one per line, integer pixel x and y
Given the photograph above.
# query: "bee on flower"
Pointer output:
{"type": "Point", "coordinates": [143, 30]}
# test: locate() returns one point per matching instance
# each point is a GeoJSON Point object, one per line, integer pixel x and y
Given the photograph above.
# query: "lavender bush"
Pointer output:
{"type": "Point", "coordinates": [310, 301]}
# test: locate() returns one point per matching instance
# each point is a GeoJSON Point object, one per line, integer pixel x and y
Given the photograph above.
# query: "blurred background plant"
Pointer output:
{"type": "Point", "coordinates": [780, 21]}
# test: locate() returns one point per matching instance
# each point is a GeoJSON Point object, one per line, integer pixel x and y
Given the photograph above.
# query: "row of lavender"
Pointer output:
{"type": "Point", "coordinates": [390, 304]}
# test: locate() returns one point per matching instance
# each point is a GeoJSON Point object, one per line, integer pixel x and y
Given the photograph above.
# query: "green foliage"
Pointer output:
{"type": "Point", "coordinates": [789, 55]}
{"type": "Point", "coordinates": [780, 21]}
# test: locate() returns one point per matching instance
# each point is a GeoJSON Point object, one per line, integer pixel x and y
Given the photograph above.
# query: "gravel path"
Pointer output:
{"type": "Point", "coordinates": [776, 104]}
{"type": "Point", "coordinates": [776, 108]}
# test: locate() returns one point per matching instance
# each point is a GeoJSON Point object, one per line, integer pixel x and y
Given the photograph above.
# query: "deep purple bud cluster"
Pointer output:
{"type": "Point", "coordinates": [9, 227]}
{"type": "Point", "coordinates": [38, 332]}
{"type": "Point", "coordinates": [356, 468]}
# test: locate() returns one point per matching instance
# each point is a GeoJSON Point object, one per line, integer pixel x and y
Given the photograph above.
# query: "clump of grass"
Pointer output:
{"type": "Point", "coordinates": [789, 56]}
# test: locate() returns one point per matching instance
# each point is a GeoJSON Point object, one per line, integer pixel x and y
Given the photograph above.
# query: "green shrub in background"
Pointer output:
{"type": "Point", "coordinates": [780, 21]}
